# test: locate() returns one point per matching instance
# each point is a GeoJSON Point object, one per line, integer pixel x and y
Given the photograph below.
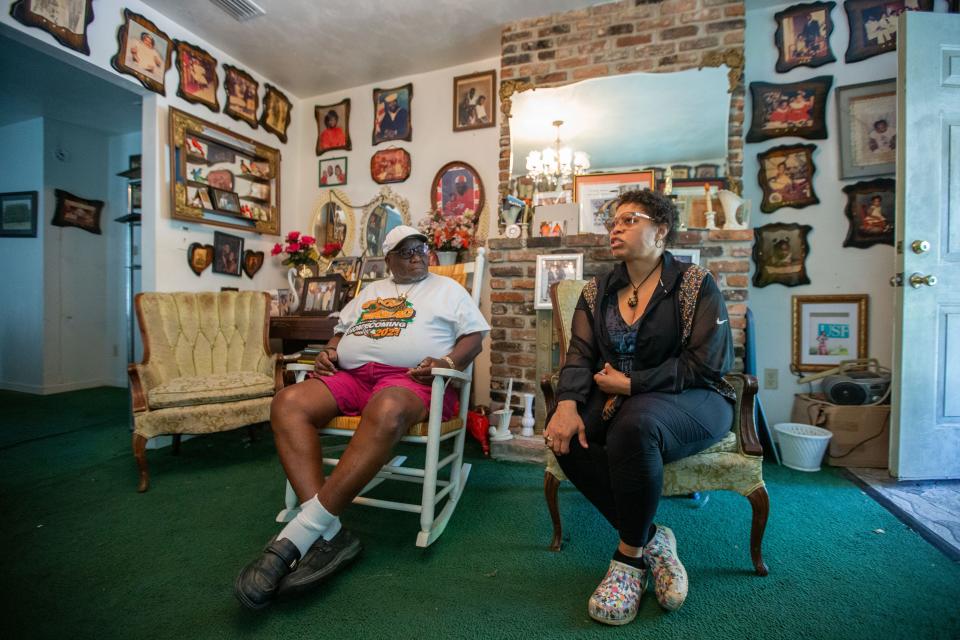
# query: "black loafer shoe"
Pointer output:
{"type": "Point", "coordinates": [322, 560]}
{"type": "Point", "coordinates": [257, 583]}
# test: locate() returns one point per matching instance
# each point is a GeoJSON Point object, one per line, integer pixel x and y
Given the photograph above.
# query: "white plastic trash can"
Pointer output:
{"type": "Point", "coordinates": [802, 445]}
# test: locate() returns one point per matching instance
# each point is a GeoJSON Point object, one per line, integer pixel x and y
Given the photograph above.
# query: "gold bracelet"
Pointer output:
{"type": "Point", "coordinates": [450, 362]}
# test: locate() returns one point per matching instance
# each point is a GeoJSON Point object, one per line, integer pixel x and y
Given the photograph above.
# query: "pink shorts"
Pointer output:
{"type": "Point", "coordinates": [352, 389]}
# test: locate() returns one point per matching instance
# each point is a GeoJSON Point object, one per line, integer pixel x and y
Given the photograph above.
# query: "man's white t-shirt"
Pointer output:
{"type": "Point", "coordinates": [379, 326]}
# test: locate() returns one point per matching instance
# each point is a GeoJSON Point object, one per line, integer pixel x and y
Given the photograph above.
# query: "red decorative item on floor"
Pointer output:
{"type": "Point", "coordinates": [478, 426]}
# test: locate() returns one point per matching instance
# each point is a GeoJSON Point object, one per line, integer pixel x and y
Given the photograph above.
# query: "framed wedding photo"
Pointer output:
{"type": "Point", "coordinates": [803, 36]}
{"type": "Point", "coordinates": [792, 109]}
{"type": "Point", "coordinates": [786, 177]}
{"type": "Point", "coordinates": [475, 101]}
{"type": "Point", "coordinates": [867, 120]}
{"type": "Point", "coordinates": [18, 214]}
{"type": "Point", "coordinates": [198, 75]}
{"type": "Point", "coordinates": [333, 126]}
{"type": "Point", "coordinates": [780, 253]}
{"type": "Point", "coordinates": [827, 330]}
{"type": "Point", "coordinates": [74, 211]}
{"type": "Point", "coordinates": [243, 98]}
{"type": "Point", "coordinates": [275, 117]}
{"type": "Point", "coordinates": [391, 114]}
{"type": "Point", "coordinates": [144, 52]}
{"type": "Point", "coordinates": [554, 268]}
{"type": "Point", "coordinates": [871, 211]}
{"type": "Point", "coordinates": [65, 20]}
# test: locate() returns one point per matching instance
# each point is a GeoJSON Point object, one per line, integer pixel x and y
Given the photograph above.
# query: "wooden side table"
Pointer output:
{"type": "Point", "coordinates": [296, 332]}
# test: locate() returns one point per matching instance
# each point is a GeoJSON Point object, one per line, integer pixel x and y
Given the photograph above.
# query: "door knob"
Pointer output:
{"type": "Point", "coordinates": [917, 280]}
{"type": "Point", "coordinates": [920, 246]}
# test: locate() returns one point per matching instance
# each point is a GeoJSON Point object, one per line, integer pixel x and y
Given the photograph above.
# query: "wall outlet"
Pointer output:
{"type": "Point", "coordinates": [771, 378]}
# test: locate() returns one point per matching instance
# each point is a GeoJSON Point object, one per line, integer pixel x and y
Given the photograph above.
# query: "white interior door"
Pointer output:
{"type": "Point", "coordinates": [925, 412]}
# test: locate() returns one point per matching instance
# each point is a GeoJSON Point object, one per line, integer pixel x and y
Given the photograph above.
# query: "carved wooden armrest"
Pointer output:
{"type": "Point", "coordinates": [137, 392]}
{"type": "Point", "coordinates": [549, 394]}
{"type": "Point", "coordinates": [746, 427]}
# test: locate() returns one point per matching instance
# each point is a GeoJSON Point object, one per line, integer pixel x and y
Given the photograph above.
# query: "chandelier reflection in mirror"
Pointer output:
{"type": "Point", "coordinates": [555, 166]}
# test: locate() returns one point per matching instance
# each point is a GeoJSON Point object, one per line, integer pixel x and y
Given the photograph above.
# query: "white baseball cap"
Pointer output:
{"type": "Point", "coordinates": [398, 235]}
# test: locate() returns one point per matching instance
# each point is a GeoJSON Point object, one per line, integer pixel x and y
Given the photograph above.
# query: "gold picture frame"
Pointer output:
{"type": "Point", "coordinates": [826, 329]}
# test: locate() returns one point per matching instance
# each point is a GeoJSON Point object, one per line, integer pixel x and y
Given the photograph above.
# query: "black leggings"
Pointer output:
{"type": "Point", "coordinates": [621, 472]}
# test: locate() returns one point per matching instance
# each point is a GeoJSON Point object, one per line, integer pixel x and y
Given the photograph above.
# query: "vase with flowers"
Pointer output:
{"type": "Point", "coordinates": [448, 235]}
{"type": "Point", "coordinates": [301, 256]}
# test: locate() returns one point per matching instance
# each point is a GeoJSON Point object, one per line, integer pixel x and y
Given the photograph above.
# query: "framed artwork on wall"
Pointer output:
{"type": "Point", "coordinates": [594, 193]}
{"type": "Point", "coordinates": [390, 165]}
{"type": "Point", "coordinates": [871, 211]}
{"type": "Point", "coordinates": [867, 120]}
{"type": "Point", "coordinates": [786, 177]}
{"type": "Point", "coordinates": [144, 52]}
{"type": "Point", "coordinates": [252, 261]}
{"type": "Point", "coordinates": [74, 211]}
{"type": "Point", "coordinates": [457, 190]}
{"type": "Point", "coordinates": [227, 253]}
{"type": "Point", "coordinates": [18, 214]}
{"type": "Point", "coordinates": [198, 75]}
{"type": "Point", "coordinates": [780, 254]}
{"type": "Point", "coordinates": [686, 255]}
{"type": "Point", "coordinates": [475, 101]}
{"type": "Point", "coordinates": [793, 109]}
{"type": "Point", "coordinates": [199, 257]}
{"type": "Point", "coordinates": [243, 98]}
{"type": "Point", "coordinates": [803, 36]}
{"type": "Point", "coordinates": [275, 117]}
{"type": "Point", "coordinates": [65, 20]}
{"type": "Point", "coordinates": [827, 330]}
{"type": "Point", "coordinates": [554, 268]}
{"type": "Point", "coordinates": [873, 27]}
{"type": "Point", "coordinates": [333, 126]}
{"type": "Point", "coordinates": [333, 172]}
{"type": "Point", "coordinates": [391, 114]}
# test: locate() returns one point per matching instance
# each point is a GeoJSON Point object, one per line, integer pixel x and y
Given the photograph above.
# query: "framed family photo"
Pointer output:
{"type": "Point", "coordinates": [74, 211]}
{"type": "Point", "coordinates": [391, 114]}
{"type": "Point", "coordinates": [780, 253]}
{"type": "Point", "coordinates": [803, 36]}
{"type": "Point", "coordinates": [227, 253]}
{"type": "Point", "coordinates": [333, 172]}
{"type": "Point", "coordinates": [475, 101]}
{"type": "Point", "coordinates": [786, 177]}
{"type": "Point", "coordinates": [65, 20]}
{"type": "Point", "coordinates": [225, 201]}
{"type": "Point", "coordinates": [867, 119]}
{"type": "Point", "coordinates": [333, 126]}
{"type": "Point", "coordinates": [793, 109]}
{"type": "Point", "coordinates": [373, 268]}
{"type": "Point", "coordinates": [873, 27]}
{"type": "Point", "coordinates": [595, 192]}
{"type": "Point", "coordinates": [390, 165]}
{"type": "Point", "coordinates": [275, 117]}
{"type": "Point", "coordinates": [198, 75]}
{"type": "Point", "coordinates": [554, 268]}
{"type": "Point", "coordinates": [144, 52]}
{"type": "Point", "coordinates": [457, 190]}
{"type": "Point", "coordinates": [243, 98]}
{"type": "Point", "coordinates": [827, 330]}
{"type": "Point", "coordinates": [18, 214]}
{"type": "Point", "coordinates": [347, 266]}
{"type": "Point", "coordinates": [871, 212]}
{"type": "Point", "coordinates": [321, 295]}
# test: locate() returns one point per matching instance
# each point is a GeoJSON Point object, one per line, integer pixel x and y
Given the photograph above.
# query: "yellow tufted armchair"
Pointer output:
{"type": "Point", "coordinates": [733, 464]}
{"type": "Point", "coordinates": [206, 367]}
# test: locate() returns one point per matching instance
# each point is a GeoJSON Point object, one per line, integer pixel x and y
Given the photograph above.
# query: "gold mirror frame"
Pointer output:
{"type": "Point", "coordinates": [734, 61]}
{"type": "Point", "coordinates": [386, 196]}
{"type": "Point", "coordinates": [337, 197]}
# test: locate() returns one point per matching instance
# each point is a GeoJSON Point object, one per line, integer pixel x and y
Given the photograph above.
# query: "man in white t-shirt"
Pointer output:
{"type": "Point", "coordinates": [378, 366]}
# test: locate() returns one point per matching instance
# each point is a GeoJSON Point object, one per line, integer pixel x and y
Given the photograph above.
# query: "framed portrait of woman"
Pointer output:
{"type": "Point", "coordinates": [333, 126]}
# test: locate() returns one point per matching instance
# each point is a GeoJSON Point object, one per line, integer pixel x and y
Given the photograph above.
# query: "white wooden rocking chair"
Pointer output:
{"type": "Point", "coordinates": [430, 433]}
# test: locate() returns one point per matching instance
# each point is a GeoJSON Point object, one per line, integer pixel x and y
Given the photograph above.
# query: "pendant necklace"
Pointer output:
{"type": "Point", "coordinates": [403, 296]}
{"type": "Point", "coordinates": [632, 301]}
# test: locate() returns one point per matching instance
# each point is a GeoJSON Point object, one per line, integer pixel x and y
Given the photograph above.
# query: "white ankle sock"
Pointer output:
{"type": "Point", "coordinates": [312, 522]}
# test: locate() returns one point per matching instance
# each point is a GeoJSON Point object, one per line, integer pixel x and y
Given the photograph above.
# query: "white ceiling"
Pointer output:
{"type": "Point", "coordinates": [313, 47]}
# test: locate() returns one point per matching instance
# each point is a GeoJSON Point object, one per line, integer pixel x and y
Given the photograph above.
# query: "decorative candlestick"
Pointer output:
{"type": "Point", "coordinates": [709, 214]}
{"type": "Point", "coordinates": [527, 422]}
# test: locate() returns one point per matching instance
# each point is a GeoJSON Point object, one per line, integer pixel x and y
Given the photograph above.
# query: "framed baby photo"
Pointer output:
{"type": "Point", "coordinates": [321, 295]}
{"type": "Point", "coordinates": [554, 268]}
{"type": "Point", "coordinates": [333, 172]}
{"type": "Point", "coordinates": [780, 253]}
{"type": "Point", "coordinates": [275, 117]}
{"type": "Point", "coordinates": [144, 52]}
{"type": "Point", "coordinates": [871, 212]}
{"type": "Point", "coordinates": [18, 214]}
{"type": "Point", "coordinates": [867, 120]}
{"type": "Point", "coordinates": [786, 177]}
{"type": "Point", "coordinates": [827, 330]}
{"type": "Point", "coordinates": [333, 126]}
{"type": "Point", "coordinates": [65, 20]}
{"type": "Point", "coordinates": [873, 27]}
{"type": "Point", "coordinates": [793, 109]}
{"type": "Point", "coordinates": [198, 75]}
{"type": "Point", "coordinates": [803, 36]}
{"type": "Point", "coordinates": [74, 211]}
{"type": "Point", "coordinates": [227, 253]}
{"type": "Point", "coordinates": [475, 101]}
{"type": "Point", "coordinates": [391, 114]}
{"type": "Point", "coordinates": [243, 98]}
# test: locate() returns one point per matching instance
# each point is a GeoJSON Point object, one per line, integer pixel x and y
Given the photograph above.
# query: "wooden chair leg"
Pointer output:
{"type": "Point", "coordinates": [551, 488]}
{"type": "Point", "coordinates": [176, 444]}
{"type": "Point", "coordinates": [760, 503]}
{"type": "Point", "coordinates": [140, 454]}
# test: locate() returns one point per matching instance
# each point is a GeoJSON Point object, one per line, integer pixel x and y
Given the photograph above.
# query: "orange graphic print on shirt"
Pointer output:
{"type": "Point", "coordinates": [383, 318]}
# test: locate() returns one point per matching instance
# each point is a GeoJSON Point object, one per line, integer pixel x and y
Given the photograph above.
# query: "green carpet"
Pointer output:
{"type": "Point", "coordinates": [85, 556]}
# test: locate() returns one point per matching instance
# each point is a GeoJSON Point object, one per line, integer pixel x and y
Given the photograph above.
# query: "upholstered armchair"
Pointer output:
{"type": "Point", "coordinates": [206, 367]}
{"type": "Point", "coordinates": [733, 464]}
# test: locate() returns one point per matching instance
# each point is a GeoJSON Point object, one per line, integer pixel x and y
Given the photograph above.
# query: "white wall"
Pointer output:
{"type": "Point", "coordinates": [21, 263]}
{"type": "Point", "coordinates": [832, 268]}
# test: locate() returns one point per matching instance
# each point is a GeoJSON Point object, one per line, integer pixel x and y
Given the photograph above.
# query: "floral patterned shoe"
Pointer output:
{"type": "Point", "coordinates": [617, 598]}
{"type": "Point", "coordinates": [669, 576]}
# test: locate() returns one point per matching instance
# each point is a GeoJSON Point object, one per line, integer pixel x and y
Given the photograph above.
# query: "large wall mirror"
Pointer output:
{"type": "Point", "coordinates": [333, 220]}
{"type": "Point", "coordinates": [387, 211]}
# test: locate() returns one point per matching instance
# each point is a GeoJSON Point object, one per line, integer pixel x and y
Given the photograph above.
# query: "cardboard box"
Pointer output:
{"type": "Point", "coordinates": [861, 433]}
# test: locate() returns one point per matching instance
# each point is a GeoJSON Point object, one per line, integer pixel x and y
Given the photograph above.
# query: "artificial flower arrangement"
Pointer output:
{"type": "Point", "coordinates": [300, 249]}
{"type": "Point", "coordinates": [331, 249]}
{"type": "Point", "coordinates": [447, 233]}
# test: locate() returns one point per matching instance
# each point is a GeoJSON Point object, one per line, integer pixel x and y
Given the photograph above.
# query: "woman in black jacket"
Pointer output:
{"type": "Point", "coordinates": [642, 386]}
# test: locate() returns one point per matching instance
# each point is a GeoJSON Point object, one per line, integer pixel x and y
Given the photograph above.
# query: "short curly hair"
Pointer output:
{"type": "Point", "coordinates": [658, 206]}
